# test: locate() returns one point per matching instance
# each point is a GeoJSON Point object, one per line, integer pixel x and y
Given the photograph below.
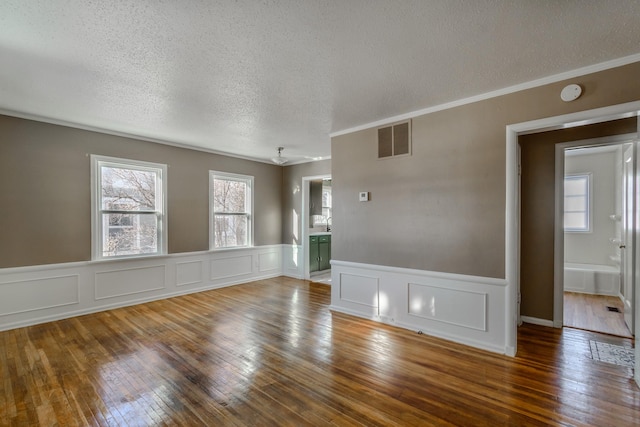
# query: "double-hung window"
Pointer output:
{"type": "Point", "coordinates": [129, 208]}
{"type": "Point", "coordinates": [230, 205]}
{"type": "Point", "coordinates": [577, 203]}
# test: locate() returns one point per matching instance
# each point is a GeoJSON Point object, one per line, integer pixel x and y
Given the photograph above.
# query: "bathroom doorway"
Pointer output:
{"type": "Point", "coordinates": [532, 299]}
{"type": "Point", "coordinates": [597, 209]}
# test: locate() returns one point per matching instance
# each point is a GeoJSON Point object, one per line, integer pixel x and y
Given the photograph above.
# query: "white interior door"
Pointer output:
{"type": "Point", "coordinates": [627, 246]}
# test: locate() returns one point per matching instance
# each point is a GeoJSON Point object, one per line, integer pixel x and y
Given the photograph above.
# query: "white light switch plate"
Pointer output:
{"type": "Point", "coordinates": [364, 196]}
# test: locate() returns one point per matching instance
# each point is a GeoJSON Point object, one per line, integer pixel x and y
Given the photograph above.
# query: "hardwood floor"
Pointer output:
{"type": "Point", "coordinates": [270, 353]}
{"type": "Point", "coordinates": [586, 311]}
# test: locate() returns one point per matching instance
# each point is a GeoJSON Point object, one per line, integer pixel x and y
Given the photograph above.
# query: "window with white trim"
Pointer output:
{"type": "Point", "coordinates": [129, 208]}
{"type": "Point", "coordinates": [230, 205]}
{"type": "Point", "coordinates": [577, 203]}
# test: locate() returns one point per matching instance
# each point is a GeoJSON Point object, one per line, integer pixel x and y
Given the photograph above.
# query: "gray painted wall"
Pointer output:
{"type": "Point", "coordinates": [443, 208]}
{"type": "Point", "coordinates": [45, 214]}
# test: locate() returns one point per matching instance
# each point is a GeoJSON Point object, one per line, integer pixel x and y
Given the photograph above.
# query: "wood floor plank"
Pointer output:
{"type": "Point", "coordinates": [270, 353]}
{"type": "Point", "coordinates": [589, 312]}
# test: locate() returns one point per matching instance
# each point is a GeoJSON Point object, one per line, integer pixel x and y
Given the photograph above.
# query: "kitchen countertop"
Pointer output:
{"type": "Point", "coordinates": [320, 233]}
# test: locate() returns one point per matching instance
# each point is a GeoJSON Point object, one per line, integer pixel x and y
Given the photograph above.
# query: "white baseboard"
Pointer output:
{"type": "Point", "coordinates": [469, 310]}
{"type": "Point", "coordinates": [44, 293]}
{"type": "Point", "coordinates": [536, 321]}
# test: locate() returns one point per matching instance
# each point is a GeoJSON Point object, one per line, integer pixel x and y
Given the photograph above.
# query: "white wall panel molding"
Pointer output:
{"type": "Point", "coordinates": [458, 307]}
{"type": "Point", "coordinates": [359, 292]}
{"type": "Point", "coordinates": [270, 260]}
{"type": "Point", "coordinates": [49, 268]}
{"type": "Point", "coordinates": [129, 281]}
{"type": "Point", "coordinates": [231, 266]}
{"type": "Point", "coordinates": [23, 296]}
{"type": "Point", "coordinates": [292, 262]}
{"type": "Point", "coordinates": [450, 306]}
{"type": "Point", "coordinates": [189, 272]}
{"type": "Point", "coordinates": [424, 273]}
{"type": "Point", "coordinates": [32, 295]}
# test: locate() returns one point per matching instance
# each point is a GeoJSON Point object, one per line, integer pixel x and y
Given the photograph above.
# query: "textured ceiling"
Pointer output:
{"type": "Point", "coordinates": [244, 77]}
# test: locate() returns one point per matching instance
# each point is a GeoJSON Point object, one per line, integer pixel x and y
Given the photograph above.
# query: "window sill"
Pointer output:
{"type": "Point", "coordinates": [235, 248]}
{"type": "Point", "coordinates": [129, 257]}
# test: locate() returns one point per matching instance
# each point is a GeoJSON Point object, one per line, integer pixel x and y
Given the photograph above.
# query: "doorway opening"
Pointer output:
{"type": "Point", "coordinates": [317, 207]}
{"type": "Point", "coordinates": [594, 186]}
{"type": "Point", "coordinates": [513, 255]}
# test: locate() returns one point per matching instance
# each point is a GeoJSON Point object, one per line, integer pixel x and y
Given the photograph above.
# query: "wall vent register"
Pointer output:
{"type": "Point", "coordinates": [394, 140]}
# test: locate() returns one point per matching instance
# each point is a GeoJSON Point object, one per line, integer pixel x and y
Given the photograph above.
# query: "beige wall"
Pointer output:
{"type": "Point", "coordinates": [292, 197]}
{"type": "Point", "coordinates": [45, 213]}
{"type": "Point", "coordinates": [538, 210]}
{"type": "Point", "coordinates": [443, 208]}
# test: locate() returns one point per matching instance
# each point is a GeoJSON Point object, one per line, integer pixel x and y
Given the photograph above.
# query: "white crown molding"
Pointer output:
{"type": "Point", "coordinates": [511, 89]}
{"type": "Point", "coordinates": [303, 161]}
{"type": "Point", "coordinates": [90, 128]}
{"type": "Point", "coordinates": [74, 125]}
{"type": "Point", "coordinates": [505, 91]}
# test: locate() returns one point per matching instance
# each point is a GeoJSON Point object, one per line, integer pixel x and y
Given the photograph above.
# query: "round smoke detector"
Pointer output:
{"type": "Point", "coordinates": [571, 93]}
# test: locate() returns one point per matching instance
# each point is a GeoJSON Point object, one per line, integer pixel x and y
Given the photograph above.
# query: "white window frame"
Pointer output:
{"type": "Point", "coordinates": [96, 207]}
{"type": "Point", "coordinates": [249, 181]}
{"type": "Point", "coordinates": [588, 196]}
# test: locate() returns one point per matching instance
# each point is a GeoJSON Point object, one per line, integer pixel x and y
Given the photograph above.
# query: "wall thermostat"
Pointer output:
{"type": "Point", "coordinates": [364, 196]}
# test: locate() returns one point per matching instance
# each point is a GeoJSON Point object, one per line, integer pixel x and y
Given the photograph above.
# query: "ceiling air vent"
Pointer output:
{"type": "Point", "coordinates": [394, 140]}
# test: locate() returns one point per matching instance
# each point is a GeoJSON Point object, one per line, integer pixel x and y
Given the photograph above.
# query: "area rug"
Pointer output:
{"type": "Point", "coordinates": [611, 353]}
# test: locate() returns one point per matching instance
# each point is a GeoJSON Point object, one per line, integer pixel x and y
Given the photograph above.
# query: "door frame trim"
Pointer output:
{"type": "Point", "coordinates": [512, 221]}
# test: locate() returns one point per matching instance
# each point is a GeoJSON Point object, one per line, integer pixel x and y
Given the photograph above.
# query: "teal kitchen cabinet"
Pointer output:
{"type": "Point", "coordinates": [319, 252]}
{"type": "Point", "coordinates": [324, 252]}
{"type": "Point", "coordinates": [314, 258]}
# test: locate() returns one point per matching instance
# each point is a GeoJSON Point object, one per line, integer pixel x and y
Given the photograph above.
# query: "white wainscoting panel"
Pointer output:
{"type": "Point", "coordinates": [269, 261]}
{"type": "Point", "coordinates": [188, 273]}
{"type": "Point", "coordinates": [292, 261]}
{"type": "Point", "coordinates": [38, 294]}
{"type": "Point", "coordinates": [231, 266]}
{"type": "Point", "coordinates": [117, 283]}
{"type": "Point", "coordinates": [465, 309]}
{"type": "Point", "coordinates": [359, 291]}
